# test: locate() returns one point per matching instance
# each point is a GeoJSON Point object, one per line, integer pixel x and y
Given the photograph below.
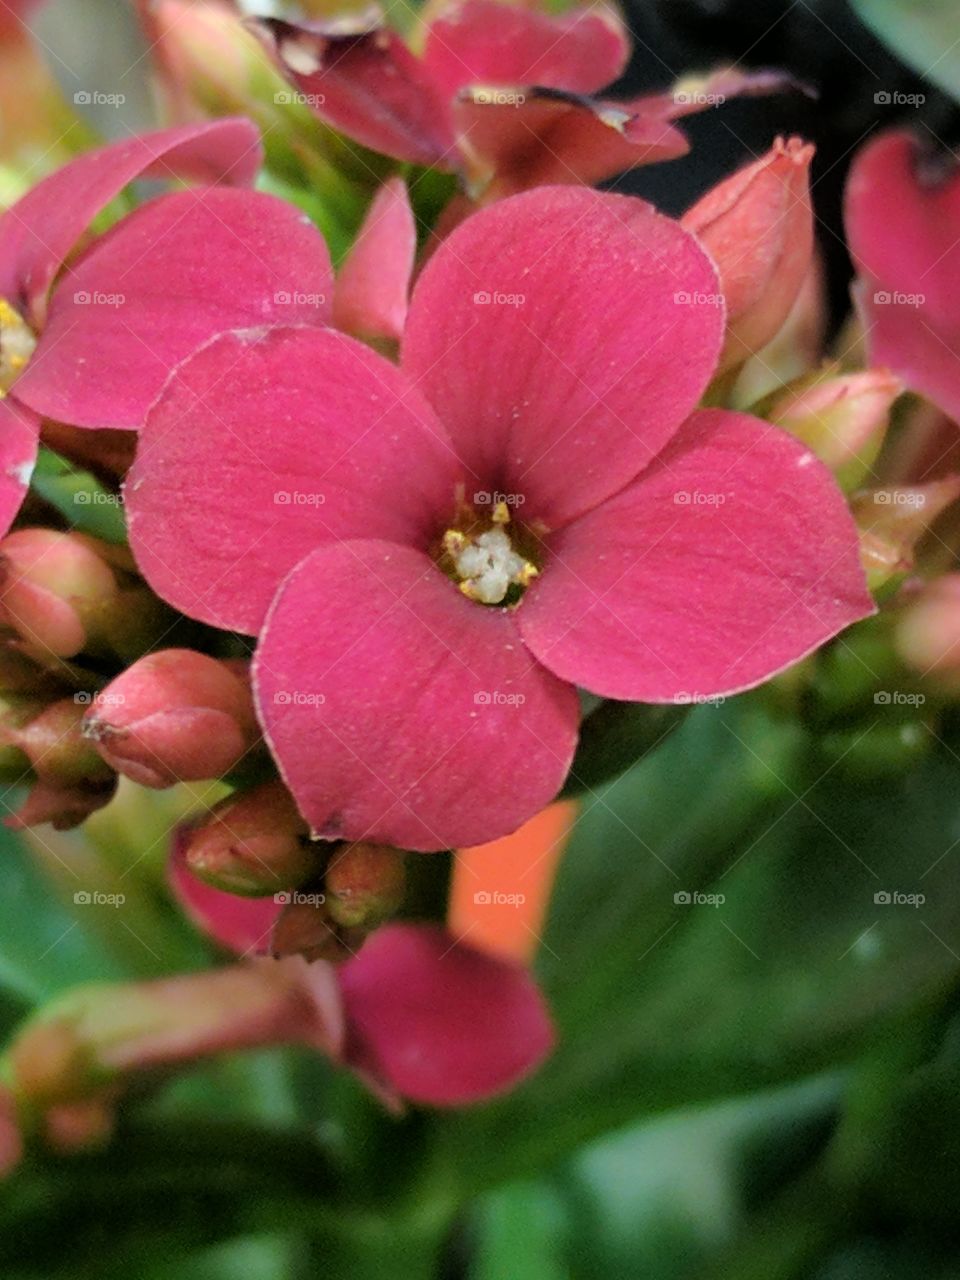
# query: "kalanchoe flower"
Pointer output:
{"type": "Point", "coordinates": [902, 212]}
{"type": "Point", "coordinates": [758, 227]}
{"type": "Point", "coordinates": [499, 92]}
{"type": "Point", "coordinates": [253, 843]}
{"type": "Point", "coordinates": [174, 716]}
{"type": "Point", "coordinates": [435, 556]}
{"type": "Point", "coordinates": [93, 349]}
{"type": "Point", "coordinates": [373, 285]}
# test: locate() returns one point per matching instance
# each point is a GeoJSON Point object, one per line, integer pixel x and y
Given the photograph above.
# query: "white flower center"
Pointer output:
{"type": "Point", "coordinates": [487, 564]}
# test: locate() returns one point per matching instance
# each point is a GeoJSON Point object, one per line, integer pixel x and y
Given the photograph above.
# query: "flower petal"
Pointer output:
{"type": "Point", "coordinates": [401, 712]}
{"type": "Point", "coordinates": [164, 280]}
{"type": "Point", "coordinates": [562, 337]}
{"type": "Point", "coordinates": [902, 232]}
{"type": "Point", "coordinates": [373, 286]}
{"type": "Point", "coordinates": [368, 85]}
{"type": "Point", "coordinates": [19, 438]}
{"type": "Point", "coordinates": [38, 232]}
{"type": "Point", "coordinates": [733, 556]}
{"type": "Point", "coordinates": [440, 1023]}
{"type": "Point", "coordinates": [528, 137]}
{"type": "Point", "coordinates": [266, 443]}
{"type": "Point", "coordinates": [488, 42]}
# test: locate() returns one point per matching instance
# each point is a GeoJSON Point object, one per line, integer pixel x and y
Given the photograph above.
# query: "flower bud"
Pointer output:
{"type": "Point", "coordinates": [53, 590]}
{"type": "Point", "coordinates": [174, 716]}
{"type": "Point", "coordinates": [758, 227]}
{"type": "Point", "coordinates": [365, 884]}
{"type": "Point", "coordinates": [87, 1041]}
{"type": "Point", "coordinates": [306, 928]}
{"type": "Point", "coordinates": [928, 630]}
{"type": "Point", "coordinates": [254, 843]}
{"type": "Point", "coordinates": [71, 779]}
{"type": "Point", "coordinates": [843, 418]}
{"type": "Point", "coordinates": [893, 521]}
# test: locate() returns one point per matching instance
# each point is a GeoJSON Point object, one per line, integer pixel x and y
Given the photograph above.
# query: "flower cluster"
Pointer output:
{"type": "Point", "coordinates": [375, 531]}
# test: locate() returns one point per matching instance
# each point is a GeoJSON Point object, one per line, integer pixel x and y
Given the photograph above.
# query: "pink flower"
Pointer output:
{"type": "Point", "coordinates": [93, 347]}
{"type": "Point", "coordinates": [434, 556]}
{"type": "Point", "coordinates": [499, 92]}
{"type": "Point", "coordinates": [426, 1017]}
{"type": "Point", "coordinates": [902, 213]}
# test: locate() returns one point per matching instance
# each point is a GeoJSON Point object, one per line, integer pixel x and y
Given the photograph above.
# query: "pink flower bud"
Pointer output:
{"type": "Point", "coordinates": [365, 884]}
{"type": "Point", "coordinates": [255, 843]}
{"type": "Point", "coordinates": [928, 631]}
{"type": "Point", "coordinates": [53, 589]}
{"type": "Point", "coordinates": [842, 417]}
{"type": "Point", "coordinates": [306, 928]}
{"type": "Point", "coordinates": [174, 716]}
{"type": "Point", "coordinates": [758, 227]}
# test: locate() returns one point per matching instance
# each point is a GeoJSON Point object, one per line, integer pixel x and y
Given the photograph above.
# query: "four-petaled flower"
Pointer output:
{"type": "Point", "coordinates": [434, 556]}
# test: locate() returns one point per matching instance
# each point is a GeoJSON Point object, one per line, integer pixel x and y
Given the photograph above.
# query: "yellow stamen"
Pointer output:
{"type": "Point", "coordinates": [17, 344]}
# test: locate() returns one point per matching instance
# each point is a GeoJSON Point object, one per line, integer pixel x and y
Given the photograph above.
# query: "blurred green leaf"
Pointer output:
{"type": "Point", "coordinates": [85, 503]}
{"type": "Point", "coordinates": [923, 33]}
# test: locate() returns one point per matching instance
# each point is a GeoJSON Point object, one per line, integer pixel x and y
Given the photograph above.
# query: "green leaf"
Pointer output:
{"type": "Point", "coordinates": [923, 33]}
{"type": "Point", "coordinates": [85, 503]}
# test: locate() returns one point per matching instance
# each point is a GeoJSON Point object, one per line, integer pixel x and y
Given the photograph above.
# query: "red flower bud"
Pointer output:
{"type": "Point", "coordinates": [365, 884]}
{"type": "Point", "coordinates": [306, 928]}
{"type": "Point", "coordinates": [758, 227]}
{"type": "Point", "coordinates": [928, 631]}
{"type": "Point", "coordinates": [174, 716]}
{"type": "Point", "coordinates": [53, 587]}
{"type": "Point", "coordinates": [255, 843]}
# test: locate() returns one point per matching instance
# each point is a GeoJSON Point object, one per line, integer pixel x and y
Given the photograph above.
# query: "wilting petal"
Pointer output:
{"type": "Point", "coordinates": [440, 1023]}
{"type": "Point", "coordinates": [368, 85]}
{"type": "Point", "coordinates": [39, 231]}
{"type": "Point", "coordinates": [901, 222]}
{"type": "Point", "coordinates": [175, 273]}
{"type": "Point", "coordinates": [731, 557]}
{"type": "Point", "coordinates": [528, 137]}
{"type": "Point", "coordinates": [19, 436]}
{"type": "Point", "coordinates": [263, 445]}
{"type": "Point", "coordinates": [562, 337]}
{"type": "Point", "coordinates": [241, 925]}
{"type": "Point", "coordinates": [488, 42]}
{"type": "Point", "coordinates": [401, 712]}
{"type": "Point", "coordinates": [373, 286]}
